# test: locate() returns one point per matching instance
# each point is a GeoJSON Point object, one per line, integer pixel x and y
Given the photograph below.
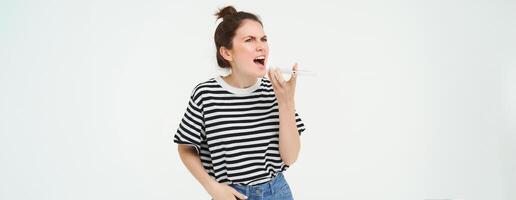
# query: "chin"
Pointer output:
{"type": "Point", "coordinates": [261, 74]}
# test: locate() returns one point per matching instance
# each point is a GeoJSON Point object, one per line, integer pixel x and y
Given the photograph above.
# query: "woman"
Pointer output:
{"type": "Point", "coordinates": [241, 131]}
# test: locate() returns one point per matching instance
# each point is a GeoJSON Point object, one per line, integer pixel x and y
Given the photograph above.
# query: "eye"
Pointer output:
{"type": "Point", "coordinates": [248, 40]}
{"type": "Point", "coordinates": [264, 39]}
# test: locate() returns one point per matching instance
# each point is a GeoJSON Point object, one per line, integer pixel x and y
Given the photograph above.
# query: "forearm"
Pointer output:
{"type": "Point", "coordinates": [289, 141]}
{"type": "Point", "coordinates": [192, 161]}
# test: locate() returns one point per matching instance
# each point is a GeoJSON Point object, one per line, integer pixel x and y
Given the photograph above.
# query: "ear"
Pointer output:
{"type": "Point", "coordinates": [226, 54]}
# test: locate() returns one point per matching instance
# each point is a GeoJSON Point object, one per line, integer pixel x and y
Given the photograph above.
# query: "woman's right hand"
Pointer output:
{"type": "Point", "coordinates": [220, 191]}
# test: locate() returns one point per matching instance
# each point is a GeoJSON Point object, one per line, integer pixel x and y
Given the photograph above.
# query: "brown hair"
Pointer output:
{"type": "Point", "coordinates": [225, 32]}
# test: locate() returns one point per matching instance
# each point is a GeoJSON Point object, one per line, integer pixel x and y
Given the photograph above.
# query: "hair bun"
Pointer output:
{"type": "Point", "coordinates": [226, 12]}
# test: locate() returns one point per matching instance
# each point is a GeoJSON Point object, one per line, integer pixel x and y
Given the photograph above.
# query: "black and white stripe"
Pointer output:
{"type": "Point", "coordinates": [235, 131]}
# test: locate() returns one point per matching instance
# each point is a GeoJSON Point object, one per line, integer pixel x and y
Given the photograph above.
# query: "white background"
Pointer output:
{"type": "Point", "coordinates": [413, 99]}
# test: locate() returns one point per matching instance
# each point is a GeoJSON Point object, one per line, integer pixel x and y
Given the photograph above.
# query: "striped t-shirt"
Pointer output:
{"type": "Point", "coordinates": [235, 131]}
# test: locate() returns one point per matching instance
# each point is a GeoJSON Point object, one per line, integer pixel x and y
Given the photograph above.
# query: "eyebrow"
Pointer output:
{"type": "Point", "coordinates": [264, 36]}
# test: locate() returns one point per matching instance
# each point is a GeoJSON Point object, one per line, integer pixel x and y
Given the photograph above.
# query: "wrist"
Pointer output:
{"type": "Point", "coordinates": [211, 187]}
{"type": "Point", "coordinates": [286, 105]}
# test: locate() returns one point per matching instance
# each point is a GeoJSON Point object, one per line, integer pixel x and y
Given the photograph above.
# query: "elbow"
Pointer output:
{"type": "Point", "coordinates": [290, 161]}
{"type": "Point", "coordinates": [289, 158]}
{"type": "Point", "coordinates": [290, 154]}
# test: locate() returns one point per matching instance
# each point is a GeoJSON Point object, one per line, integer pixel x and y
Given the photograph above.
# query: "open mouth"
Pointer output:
{"type": "Point", "coordinates": [260, 60]}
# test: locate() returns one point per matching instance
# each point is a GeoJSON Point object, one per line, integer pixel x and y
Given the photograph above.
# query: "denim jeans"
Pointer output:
{"type": "Point", "coordinates": [275, 189]}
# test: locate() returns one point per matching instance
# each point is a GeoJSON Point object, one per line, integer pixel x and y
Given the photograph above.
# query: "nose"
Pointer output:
{"type": "Point", "coordinates": [260, 46]}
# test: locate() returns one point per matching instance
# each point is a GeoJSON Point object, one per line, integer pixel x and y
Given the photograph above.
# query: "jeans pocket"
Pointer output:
{"type": "Point", "coordinates": [283, 187]}
{"type": "Point", "coordinates": [283, 193]}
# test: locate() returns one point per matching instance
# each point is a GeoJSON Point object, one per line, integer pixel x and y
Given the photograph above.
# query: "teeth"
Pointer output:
{"type": "Point", "coordinates": [260, 57]}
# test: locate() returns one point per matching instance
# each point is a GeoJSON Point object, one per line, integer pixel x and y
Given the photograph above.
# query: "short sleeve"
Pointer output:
{"type": "Point", "coordinates": [191, 128]}
{"type": "Point", "coordinates": [299, 123]}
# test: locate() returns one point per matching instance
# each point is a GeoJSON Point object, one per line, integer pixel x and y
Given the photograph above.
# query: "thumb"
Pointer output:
{"type": "Point", "coordinates": [238, 194]}
{"type": "Point", "coordinates": [293, 78]}
{"type": "Point", "coordinates": [294, 67]}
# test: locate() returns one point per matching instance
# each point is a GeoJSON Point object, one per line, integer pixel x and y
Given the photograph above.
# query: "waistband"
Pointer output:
{"type": "Point", "coordinates": [268, 187]}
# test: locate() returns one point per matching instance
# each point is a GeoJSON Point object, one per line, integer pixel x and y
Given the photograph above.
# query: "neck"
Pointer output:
{"type": "Point", "coordinates": [239, 80]}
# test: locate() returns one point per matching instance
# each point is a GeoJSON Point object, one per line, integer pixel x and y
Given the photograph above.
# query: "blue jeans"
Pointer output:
{"type": "Point", "coordinates": [275, 189]}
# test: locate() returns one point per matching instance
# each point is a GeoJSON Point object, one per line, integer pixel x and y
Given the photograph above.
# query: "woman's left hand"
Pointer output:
{"type": "Point", "coordinates": [284, 90]}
